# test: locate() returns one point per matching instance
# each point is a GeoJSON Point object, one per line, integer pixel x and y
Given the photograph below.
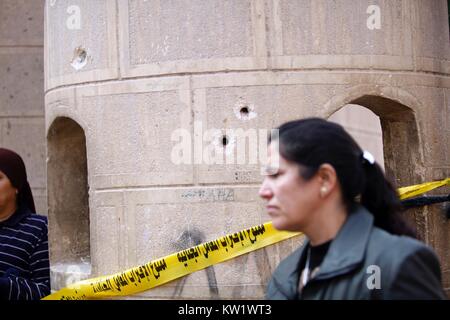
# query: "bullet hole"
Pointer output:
{"type": "Point", "coordinates": [244, 111]}
{"type": "Point", "coordinates": [25, 73]}
{"type": "Point", "coordinates": [225, 140]}
{"type": "Point", "coordinates": [79, 58]}
{"type": "Point", "coordinates": [30, 18]}
{"type": "Point", "coordinates": [223, 143]}
{"type": "Point", "coordinates": [11, 96]}
{"type": "Point", "coordinates": [8, 69]}
{"type": "Point", "coordinates": [25, 30]}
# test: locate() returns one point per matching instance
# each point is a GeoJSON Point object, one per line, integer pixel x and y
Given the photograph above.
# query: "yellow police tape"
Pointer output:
{"type": "Point", "coordinates": [176, 265]}
{"type": "Point", "coordinates": [158, 272]}
{"type": "Point", "coordinates": [415, 190]}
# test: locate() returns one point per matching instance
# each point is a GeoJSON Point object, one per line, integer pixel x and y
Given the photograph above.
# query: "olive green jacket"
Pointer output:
{"type": "Point", "coordinates": [363, 262]}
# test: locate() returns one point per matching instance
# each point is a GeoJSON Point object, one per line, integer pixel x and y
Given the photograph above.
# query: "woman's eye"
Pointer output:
{"type": "Point", "coordinates": [275, 175]}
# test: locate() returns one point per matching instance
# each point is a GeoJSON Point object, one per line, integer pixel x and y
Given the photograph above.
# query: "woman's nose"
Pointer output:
{"type": "Point", "coordinates": [264, 191]}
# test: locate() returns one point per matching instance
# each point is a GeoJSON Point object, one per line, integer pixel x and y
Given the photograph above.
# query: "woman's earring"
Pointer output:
{"type": "Point", "coordinates": [323, 191]}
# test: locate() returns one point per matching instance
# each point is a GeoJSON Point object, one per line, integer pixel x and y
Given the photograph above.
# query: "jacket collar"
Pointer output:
{"type": "Point", "coordinates": [347, 249]}
{"type": "Point", "coordinates": [345, 253]}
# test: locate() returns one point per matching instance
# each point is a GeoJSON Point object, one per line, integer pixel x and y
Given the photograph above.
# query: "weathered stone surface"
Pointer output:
{"type": "Point", "coordinates": [21, 23]}
{"type": "Point", "coordinates": [214, 35]}
{"type": "Point", "coordinates": [330, 28]}
{"type": "Point", "coordinates": [433, 123]}
{"type": "Point", "coordinates": [205, 30]}
{"type": "Point", "coordinates": [81, 41]}
{"type": "Point", "coordinates": [24, 67]}
{"type": "Point", "coordinates": [432, 20]}
{"type": "Point", "coordinates": [219, 108]}
{"type": "Point", "coordinates": [134, 132]}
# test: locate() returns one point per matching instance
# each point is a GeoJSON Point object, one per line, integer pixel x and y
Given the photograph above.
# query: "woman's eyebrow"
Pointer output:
{"type": "Point", "coordinates": [269, 169]}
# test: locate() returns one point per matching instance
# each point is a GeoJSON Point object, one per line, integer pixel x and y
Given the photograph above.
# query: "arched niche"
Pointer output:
{"type": "Point", "coordinates": [68, 201]}
{"type": "Point", "coordinates": [401, 146]}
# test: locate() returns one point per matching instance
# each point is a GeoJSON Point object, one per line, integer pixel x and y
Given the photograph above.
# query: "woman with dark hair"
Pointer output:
{"type": "Point", "coordinates": [24, 264]}
{"type": "Point", "coordinates": [358, 247]}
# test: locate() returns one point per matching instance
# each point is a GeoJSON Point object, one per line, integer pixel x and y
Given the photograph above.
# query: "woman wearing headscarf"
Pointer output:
{"type": "Point", "coordinates": [358, 246]}
{"type": "Point", "coordinates": [24, 263]}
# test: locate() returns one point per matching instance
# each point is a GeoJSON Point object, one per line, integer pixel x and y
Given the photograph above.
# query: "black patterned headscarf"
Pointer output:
{"type": "Point", "coordinates": [12, 165]}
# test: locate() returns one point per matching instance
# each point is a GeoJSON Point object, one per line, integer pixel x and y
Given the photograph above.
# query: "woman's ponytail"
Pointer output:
{"type": "Point", "coordinates": [381, 199]}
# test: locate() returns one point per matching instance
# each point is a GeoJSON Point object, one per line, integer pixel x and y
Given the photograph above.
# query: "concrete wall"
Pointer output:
{"type": "Point", "coordinates": [22, 125]}
{"type": "Point", "coordinates": [135, 71]}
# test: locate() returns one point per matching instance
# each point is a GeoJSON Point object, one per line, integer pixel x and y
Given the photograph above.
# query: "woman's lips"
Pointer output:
{"type": "Point", "coordinates": [272, 209]}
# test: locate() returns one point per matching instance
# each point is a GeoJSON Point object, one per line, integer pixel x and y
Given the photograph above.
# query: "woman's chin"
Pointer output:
{"type": "Point", "coordinates": [278, 224]}
{"type": "Point", "coordinates": [281, 225]}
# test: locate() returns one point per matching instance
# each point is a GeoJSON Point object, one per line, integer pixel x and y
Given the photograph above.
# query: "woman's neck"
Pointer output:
{"type": "Point", "coordinates": [326, 223]}
{"type": "Point", "coordinates": [7, 211]}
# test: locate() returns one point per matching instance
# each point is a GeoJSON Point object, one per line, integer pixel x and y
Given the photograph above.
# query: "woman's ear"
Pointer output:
{"type": "Point", "coordinates": [327, 178]}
